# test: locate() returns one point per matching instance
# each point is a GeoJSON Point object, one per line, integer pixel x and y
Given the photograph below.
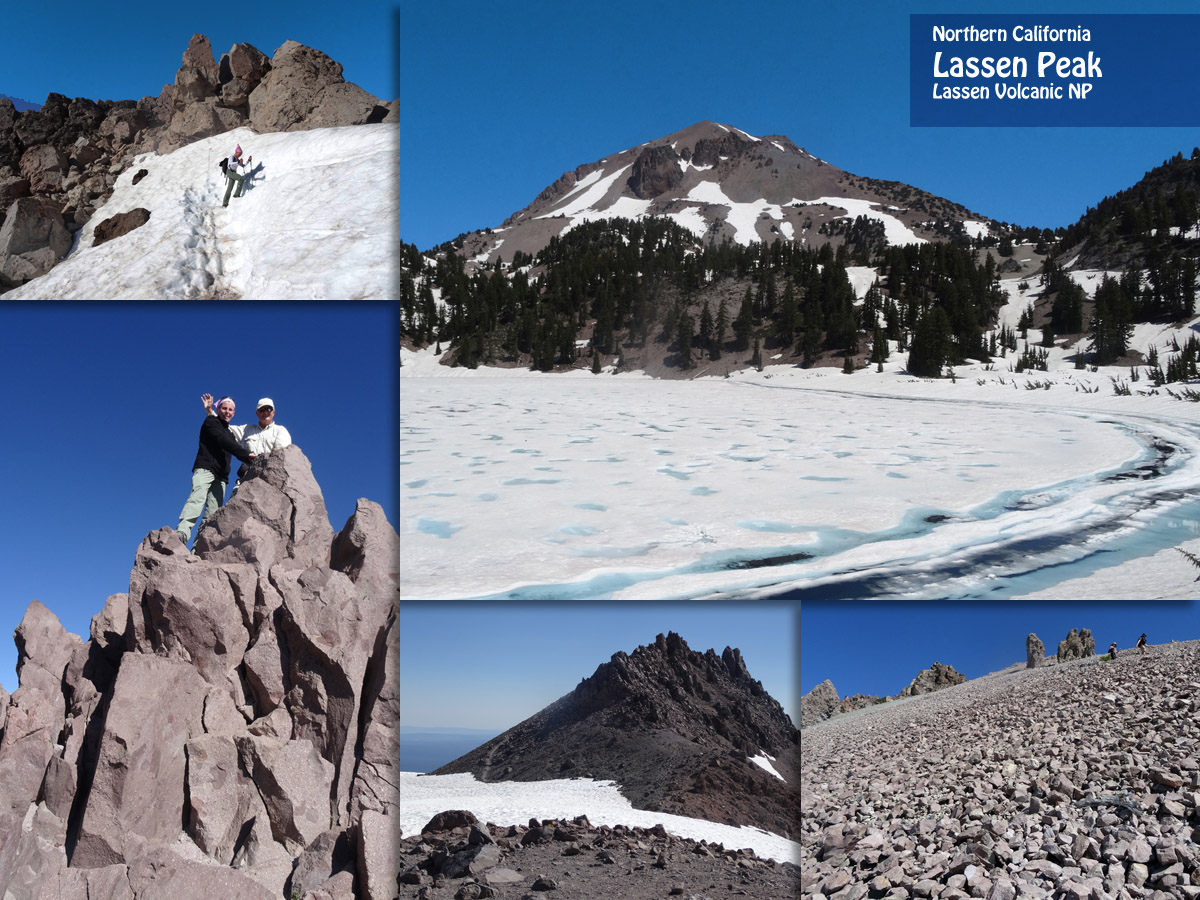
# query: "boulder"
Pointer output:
{"type": "Point", "coordinates": [120, 224]}
{"type": "Point", "coordinates": [305, 89]}
{"type": "Point", "coordinates": [241, 70]}
{"type": "Point", "coordinates": [45, 167]}
{"type": "Point", "coordinates": [32, 224]}
{"type": "Point", "coordinates": [1035, 651]}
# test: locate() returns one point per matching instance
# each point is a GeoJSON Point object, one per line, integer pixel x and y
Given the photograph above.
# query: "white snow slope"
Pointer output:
{"type": "Point", "coordinates": [315, 223]}
{"type": "Point", "coordinates": [516, 802]}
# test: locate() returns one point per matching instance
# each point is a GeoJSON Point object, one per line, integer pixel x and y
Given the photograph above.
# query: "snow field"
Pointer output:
{"type": "Point", "coordinates": [516, 802]}
{"type": "Point", "coordinates": [314, 222]}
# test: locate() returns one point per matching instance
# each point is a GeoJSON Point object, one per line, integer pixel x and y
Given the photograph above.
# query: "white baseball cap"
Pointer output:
{"type": "Point", "coordinates": [265, 401]}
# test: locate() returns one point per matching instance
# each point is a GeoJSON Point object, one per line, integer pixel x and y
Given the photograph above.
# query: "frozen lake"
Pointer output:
{"type": "Point", "coordinates": [789, 481]}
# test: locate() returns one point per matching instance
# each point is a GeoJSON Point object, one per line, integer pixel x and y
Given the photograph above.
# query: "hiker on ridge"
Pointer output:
{"type": "Point", "coordinates": [236, 169]}
{"type": "Point", "coordinates": [210, 471]}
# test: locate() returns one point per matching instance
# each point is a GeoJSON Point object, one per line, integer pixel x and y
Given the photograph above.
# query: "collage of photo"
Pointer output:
{"type": "Point", "coordinates": [760, 465]}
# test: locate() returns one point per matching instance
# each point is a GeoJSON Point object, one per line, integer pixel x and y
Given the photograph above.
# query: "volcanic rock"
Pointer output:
{"type": "Point", "coordinates": [32, 239]}
{"type": "Point", "coordinates": [818, 704]}
{"type": "Point", "coordinates": [1078, 644]}
{"type": "Point", "coordinates": [122, 223]}
{"type": "Point", "coordinates": [144, 761]}
{"type": "Point", "coordinates": [1035, 651]}
{"type": "Point", "coordinates": [935, 678]}
{"type": "Point", "coordinates": [676, 729]}
{"type": "Point", "coordinates": [305, 89]}
{"type": "Point", "coordinates": [600, 863]}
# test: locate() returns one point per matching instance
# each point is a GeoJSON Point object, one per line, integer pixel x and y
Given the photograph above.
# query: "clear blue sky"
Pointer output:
{"type": "Point", "coordinates": [879, 647]}
{"type": "Point", "coordinates": [127, 50]}
{"type": "Point", "coordinates": [473, 665]}
{"type": "Point", "coordinates": [103, 413]}
{"type": "Point", "coordinates": [498, 101]}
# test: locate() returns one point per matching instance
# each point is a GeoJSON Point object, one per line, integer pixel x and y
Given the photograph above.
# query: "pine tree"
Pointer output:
{"type": "Point", "coordinates": [930, 345]}
{"type": "Point", "coordinates": [743, 325]}
{"type": "Point", "coordinates": [722, 325]}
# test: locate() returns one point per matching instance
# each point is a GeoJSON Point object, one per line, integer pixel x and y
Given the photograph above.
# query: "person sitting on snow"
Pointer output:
{"type": "Point", "coordinates": [236, 170]}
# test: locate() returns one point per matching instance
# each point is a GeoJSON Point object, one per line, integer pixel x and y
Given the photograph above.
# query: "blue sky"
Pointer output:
{"type": "Point", "coordinates": [103, 411]}
{"type": "Point", "coordinates": [878, 648]}
{"type": "Point", "coordinates": [499, 101]}
{"type": "Point", "coordinates": [129, 50]}
{"type": "Point", "coordinates": [473, 665]}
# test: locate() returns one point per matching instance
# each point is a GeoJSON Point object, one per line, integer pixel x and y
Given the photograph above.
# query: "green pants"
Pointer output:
{"type": "Point", "coordinates": [208, 495]}
{"type": "Point", "coordinates": [231, 177]}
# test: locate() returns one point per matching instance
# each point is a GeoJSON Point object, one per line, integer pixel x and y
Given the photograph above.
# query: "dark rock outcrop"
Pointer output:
{"type": "Point", "coordinates": [66, 156]}
{"type": "Point", "coordinates": [1078, 644]}
{"type": "Point", "coordinates": [1035, 651]}
{"type": "Point", "coordinates": [676, 729]}
{"type": "Point", "coordinates": [819, 704]}
{"type": "Point", "coordinates": [246, 695]}
{"type": "Point", "coordinates": [935, 678]}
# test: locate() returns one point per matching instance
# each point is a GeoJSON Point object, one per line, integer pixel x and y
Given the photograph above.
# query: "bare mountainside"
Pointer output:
{"type": "Point", "coordinates": [679, 731]}
{"type": "Point", "coordinates": [1078, 780]}
{"type": "Point", "coordinates": [720, 183]}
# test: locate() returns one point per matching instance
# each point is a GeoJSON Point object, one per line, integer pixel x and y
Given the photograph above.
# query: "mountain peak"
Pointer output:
{"type": "Point", "coordinates": [679, 731]}
{"type": "Point", "coordinates": [722, 184]}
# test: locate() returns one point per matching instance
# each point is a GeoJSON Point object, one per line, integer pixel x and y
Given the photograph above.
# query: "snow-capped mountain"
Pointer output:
{"type": "Point", "coordinates": [315, 222]}
{"type": "Point", "coordinates": [720, 182]}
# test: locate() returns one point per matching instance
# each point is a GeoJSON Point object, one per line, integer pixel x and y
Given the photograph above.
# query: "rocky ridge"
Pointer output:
{"type": "Point", "coordinates": [1077, 780]}
{"type": "Point", "coordinates": [674, 728]}
{"type": "Point", "coordinates": [822, 702]}
{"type": "Point", "coordinates": [458, 857]}
{"type": "Point", "coordinates": [59, 163]}
{"type": "Point", "coordinates": [228, 728]}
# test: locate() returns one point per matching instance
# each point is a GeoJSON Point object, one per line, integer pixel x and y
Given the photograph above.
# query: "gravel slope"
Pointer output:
{"type": "Point", "coordinates": [1078, 780]}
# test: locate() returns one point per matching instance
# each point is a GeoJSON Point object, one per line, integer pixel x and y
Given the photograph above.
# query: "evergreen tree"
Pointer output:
{"type": "Point", "coordinates": [930, 344]}
{"type": "Point", "coordinates": [722, 325]}
{"type": "Point", "coordinates": [743, 325]}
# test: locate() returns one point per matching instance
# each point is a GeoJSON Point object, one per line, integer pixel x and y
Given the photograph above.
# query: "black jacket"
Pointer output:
{"type": "Point", "coordinates": [216, 444]}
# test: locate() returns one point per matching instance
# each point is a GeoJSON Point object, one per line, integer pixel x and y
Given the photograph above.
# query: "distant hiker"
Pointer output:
{"type": "Point", "coordinates": [1141, 644]}
{"type": "Point", "coordinates": [260, 438]}
{"type": "Point", "coordinates": [210, 471]}
{"type": "Point", "coordinates": [1112, 650]}
{"type": "Point", "coordinates": [236, 169]}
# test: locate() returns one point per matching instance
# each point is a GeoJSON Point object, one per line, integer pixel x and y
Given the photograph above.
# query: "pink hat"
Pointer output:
{"type": "Point", "coordinates": [237, 149]}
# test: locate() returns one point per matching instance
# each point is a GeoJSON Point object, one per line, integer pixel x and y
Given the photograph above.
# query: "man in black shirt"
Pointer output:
{"type": "Point", "coordinates": [210, 471]}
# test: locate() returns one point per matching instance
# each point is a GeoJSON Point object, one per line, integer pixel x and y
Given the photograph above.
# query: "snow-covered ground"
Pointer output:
{"type": "Point", "coordinates": [516, 802]}
{"type": "Point", "coordinates": [996, 484]}
{"type": "Point", "coordinates": [316, 222]}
